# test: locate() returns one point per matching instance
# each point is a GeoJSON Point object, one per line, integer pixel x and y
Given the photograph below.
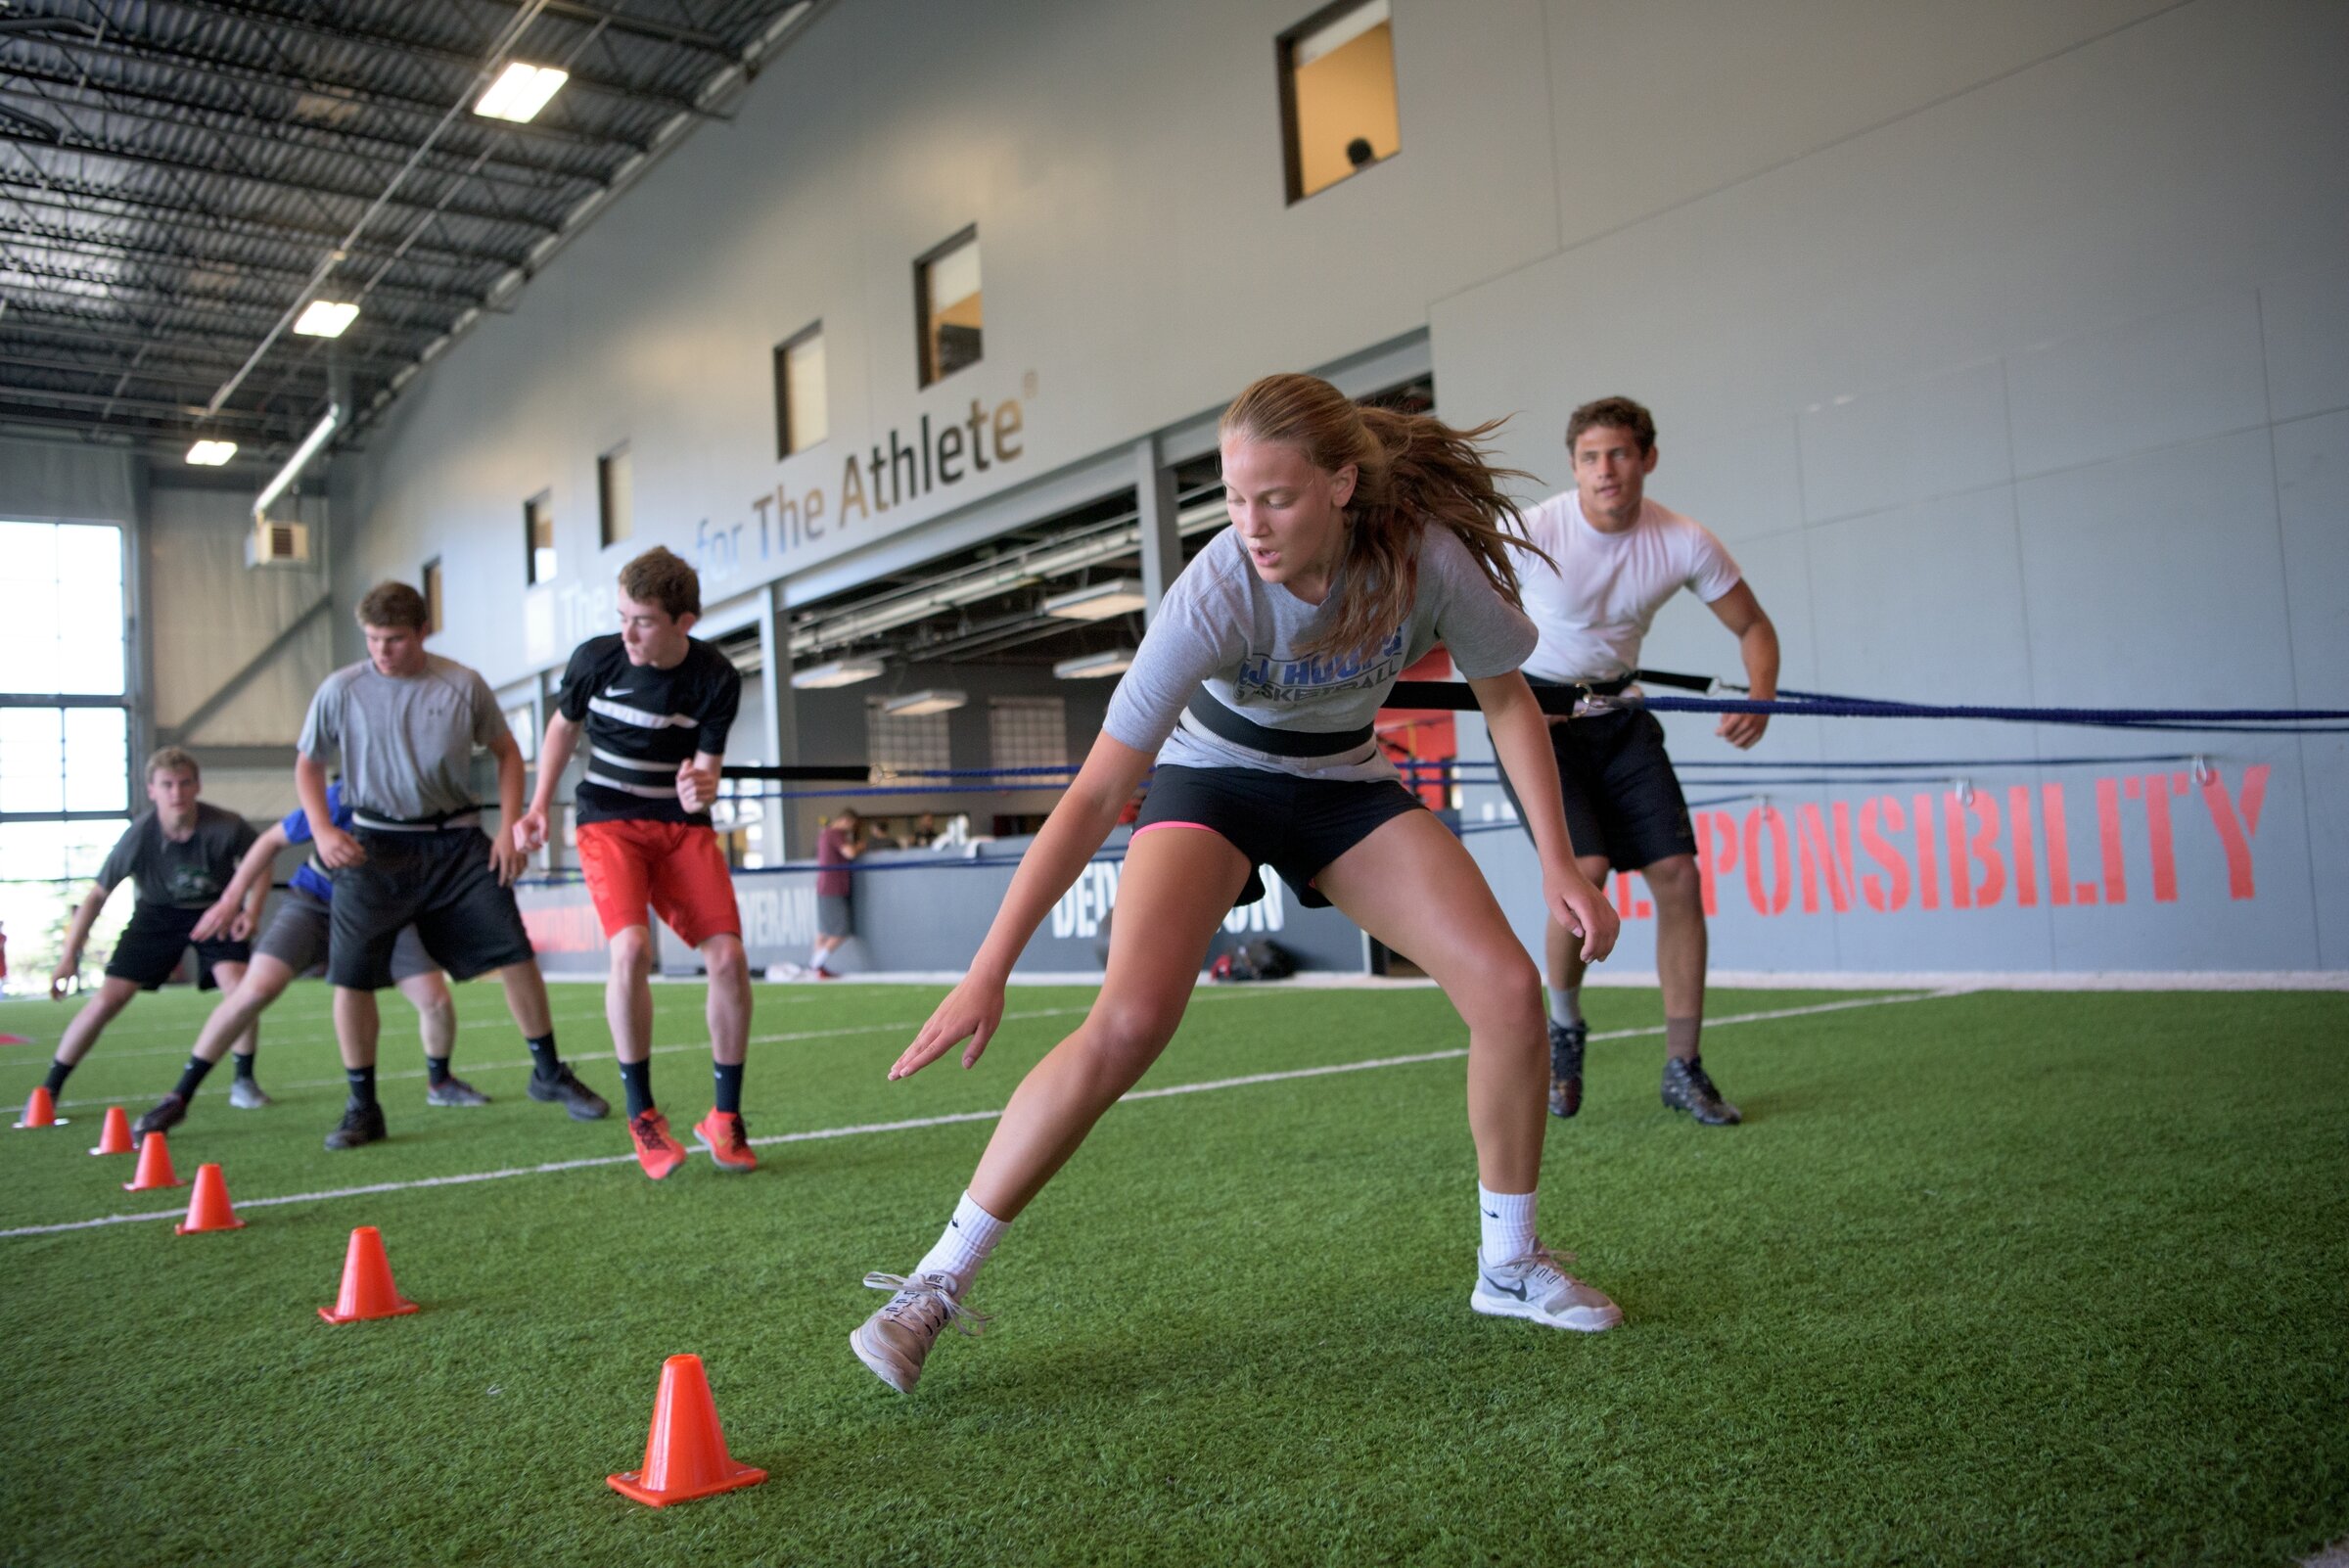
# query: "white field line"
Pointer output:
{"type": "Point", "coordinates": [916, 1124]}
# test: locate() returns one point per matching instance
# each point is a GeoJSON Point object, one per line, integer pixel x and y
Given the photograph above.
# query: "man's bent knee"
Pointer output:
{"type": "Point", "coordinates": [1674, 882]}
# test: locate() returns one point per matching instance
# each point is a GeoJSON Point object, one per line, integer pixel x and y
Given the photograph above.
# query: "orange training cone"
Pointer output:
{"type": "Point", "coordinates": [367, 1289]}
{"type": "Point", "coordinates": [685, 1458]}
{"type": "Point", "coordinates": [115, 1137]}
{"type": "Point", "coordinates": [155, 1165]}
{"type": "Point", "coordinates": [207, 1206]}
{"type": "Point", "coordinates": [40, 1110]}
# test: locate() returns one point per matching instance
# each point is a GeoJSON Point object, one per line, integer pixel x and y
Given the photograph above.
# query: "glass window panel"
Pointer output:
{"type": "Point", "coordinates": [807, 420]}
{"type": "Point", "coordinates": [1339, 93]}
{"type": "Point", "coordinates": [96, 763]}
{"type": "Point", "coordinates": [539, 528]}
{"type": "Point", "coordinates": [32, 760]}
{"type": "Point", "coordinates": [50, 867]}
{"type": "Point", "coordinates": [948, 286]}
{"type": "Point", "coordinates": [616, 492]}
{"type": "Point", "coordinates": [64, 630]}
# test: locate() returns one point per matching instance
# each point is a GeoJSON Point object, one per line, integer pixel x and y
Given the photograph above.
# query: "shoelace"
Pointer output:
{"type": "Point", "coordinates": [651, 1134]}
{"type": "Point", "coordinates": [922, 1291]}
{"type": "Point", "coordinates": [1543, 1258]}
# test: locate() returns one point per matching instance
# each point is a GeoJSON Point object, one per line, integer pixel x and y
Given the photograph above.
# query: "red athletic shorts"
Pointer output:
{"type": "Point", "coordinates": [676, 868]}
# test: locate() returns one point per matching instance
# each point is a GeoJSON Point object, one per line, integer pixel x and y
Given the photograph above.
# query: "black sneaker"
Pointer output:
{"type": "Point", "coordinates": [1688, 1089]}
{"type": "Point", "coordinates": [361, 1124]}
{"type": "Point", "coordinates": [1566, 1042]}
{"type": "Point", "coordinates": [583, 1102]}
{"type": "Point", "coordinates": [169, 1113]}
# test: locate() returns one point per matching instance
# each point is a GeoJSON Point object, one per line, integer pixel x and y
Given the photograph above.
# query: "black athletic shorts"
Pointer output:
{"type": "Point", "coordinates": [1622, 800]}
{"type": "Point", "coordinates": [151, 945]}
{"type": "Point", "coordinates": [444, 885]}
{"type": "Point", "coordinates": [1294, 825]}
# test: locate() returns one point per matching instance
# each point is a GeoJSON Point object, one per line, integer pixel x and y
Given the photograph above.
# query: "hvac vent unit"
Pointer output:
{"type": "Point", "coordinates": [278, 544]}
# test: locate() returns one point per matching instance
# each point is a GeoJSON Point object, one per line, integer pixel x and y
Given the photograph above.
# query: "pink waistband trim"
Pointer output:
{"type": "Point", "coordinates": [1155, 826]}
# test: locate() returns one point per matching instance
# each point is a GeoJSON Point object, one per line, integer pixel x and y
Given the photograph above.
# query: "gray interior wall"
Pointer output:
{"type": "Point", "coordinates": [2004, 342]}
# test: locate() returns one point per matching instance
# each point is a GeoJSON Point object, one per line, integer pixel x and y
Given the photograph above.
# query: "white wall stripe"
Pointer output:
{"type": "Point", "coordinates": [916, 1123]}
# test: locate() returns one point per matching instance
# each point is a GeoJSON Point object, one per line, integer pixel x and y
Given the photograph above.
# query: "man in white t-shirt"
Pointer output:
{"type": "Point", "coordinates": [1620, 556]}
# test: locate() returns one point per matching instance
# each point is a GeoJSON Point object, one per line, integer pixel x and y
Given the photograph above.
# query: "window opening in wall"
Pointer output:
{"type": "Point", "coordinates": [1337, 94]}
{"type": "Point", "coordinates": [615, 496]}
{"type": "Point", "coordinates": [800, 417]}
{"type": "Point", "coordinates": [905, 743]}
{"type": "Point", "coordinates": [65, 730]}
{"type": "Point", "coordinates": [523, 720]}
{"type": "Point", "coordinates": [1028, 731]}
{"type": "Point", "coordinates": [946, 287]}
{"type": "Point", "coordinates": [433, 617]}
{"type": "Point", "coordinates": [539, 532]}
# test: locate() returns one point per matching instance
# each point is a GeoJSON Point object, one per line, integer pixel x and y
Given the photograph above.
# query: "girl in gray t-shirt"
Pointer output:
{"type": "Point", "coordinates": [1361, 539]}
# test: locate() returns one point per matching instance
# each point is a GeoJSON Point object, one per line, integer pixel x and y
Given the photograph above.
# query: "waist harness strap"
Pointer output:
{"type": "Point", "coordinates": [1221, 720]}
{"type": "Point", "coordinates": [438, 822]}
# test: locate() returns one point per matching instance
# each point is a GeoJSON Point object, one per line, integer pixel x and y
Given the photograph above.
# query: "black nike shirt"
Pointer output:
{"type": "Point", "coordinates": [641, 722]}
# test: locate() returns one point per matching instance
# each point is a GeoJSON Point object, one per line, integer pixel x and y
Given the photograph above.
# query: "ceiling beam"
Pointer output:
{"type": "Point", "coordinates": [192, 412]}
{"type": "Point", "coordinates": [49, 275]}
{"type": "Point", "coordinates": [43, 321]}
{"type": "Point", "coordinates": [642, 27]}
{"type": "Point", "coordinates": [42, 189]}
{"type": "Point", "coordinates": [280, 136]}
{"type": "Point", "coordinates": [42, 237]}
{"type": "Point", "coordinates": [187, 59]}
{"type": "Point", "coordinates": [348, 36]}
{"type": "Point", "coordinates": [82, 147]}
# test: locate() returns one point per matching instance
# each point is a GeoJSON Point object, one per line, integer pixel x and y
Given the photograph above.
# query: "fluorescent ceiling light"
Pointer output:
{"type": "Point", "coordinates": [1099, 602]}
{"type": "Point", "coordinates": [914, 704]}
{"type": "Point", "coordinates": [1091, 667]}
{"type": "Point", "coordinates": [325, 318]}
{"type": "Point", "coordinates": [519, 91]}
{"type": "Point", "coordinates": [839, 672]}
{"type": "Point", "coordinates": [211, 454]}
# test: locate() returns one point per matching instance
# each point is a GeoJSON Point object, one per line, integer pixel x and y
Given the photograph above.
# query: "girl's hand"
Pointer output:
{"type": "Point", "coordinates": [971, 1010]}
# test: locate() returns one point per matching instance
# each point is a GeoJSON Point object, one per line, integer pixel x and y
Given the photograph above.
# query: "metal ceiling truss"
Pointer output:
{"type": "Point", "coordinates": [179, 177]}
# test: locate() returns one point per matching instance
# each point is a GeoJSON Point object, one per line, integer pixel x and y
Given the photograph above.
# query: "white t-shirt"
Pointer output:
{"type": "Point", "coordinates": [1594, 611]}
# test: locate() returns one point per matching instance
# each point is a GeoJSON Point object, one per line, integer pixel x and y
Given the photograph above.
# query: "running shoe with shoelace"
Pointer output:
{"type": "Point", "coordinates": [1689, 1088]}
{"type": "Point", "coordinates": [165, 1115]}
{"type": "Point", "coordinates": [244, 1095]}
{"type": "Point", "coordinates": [563, 1087]}
{"type": "Point", "coordinates": [453, 1092]}
{"type": "Point", "coordinates": [895, 1340]}
{"type": "Point", "coordinates": [722, 1133]}
{"type": "Point", "coordinates": [1566, 1042]}
{"type": "Point", "coordinates": [361, 1124]}
{"type": "Point", "coordinates": [1536, 1288]}
{"type": "Point", "coordinates": [656, 1150]}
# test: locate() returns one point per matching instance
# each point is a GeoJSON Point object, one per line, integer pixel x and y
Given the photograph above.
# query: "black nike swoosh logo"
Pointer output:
{"type": "Point", "coordinates": [1489, 1214]}
{"type": "Point", "coordinates": [1498, 1288]}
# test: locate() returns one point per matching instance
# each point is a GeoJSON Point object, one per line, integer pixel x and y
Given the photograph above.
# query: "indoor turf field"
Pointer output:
{"type": "Point", "coordinates": [1986, 1277]}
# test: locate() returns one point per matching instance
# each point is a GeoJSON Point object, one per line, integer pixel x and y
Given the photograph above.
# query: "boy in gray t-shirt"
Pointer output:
{"type": "Point", "coordinates": [405, 723]}
{"type": "Point", "coordinates": [179, 856]}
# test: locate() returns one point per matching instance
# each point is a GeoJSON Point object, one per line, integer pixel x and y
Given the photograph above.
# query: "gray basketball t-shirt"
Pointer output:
{"type": "Point", "coordinates": [1224, 627]}
{"type": "Point", "coordinates": [406, 740]}
{"type": "Point", "coordinates": [188, 875]}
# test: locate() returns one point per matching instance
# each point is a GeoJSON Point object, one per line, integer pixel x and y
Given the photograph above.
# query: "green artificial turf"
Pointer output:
{"type": "Point", "coordinates": [1990, 1279]}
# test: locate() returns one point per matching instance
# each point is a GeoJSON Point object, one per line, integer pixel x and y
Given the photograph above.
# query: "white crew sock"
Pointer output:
{"type": "Point", "coordinates": [965, 1243]}
{"type": "Point", "coordinates": [815, 959]}
{"type": "Point", "coordinates": [1566, 1005]}
{"type": "Point", "coordinates": [1507, 1218]}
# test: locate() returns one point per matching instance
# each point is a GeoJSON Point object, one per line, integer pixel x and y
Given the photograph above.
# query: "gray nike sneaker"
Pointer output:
{"type": "Point", "coordinates": [453, 1092]}
{"type": "Point", "coordinates": [895, 1340]}
{"type": "Point", "coordinates": [246, 1095]}
{"type": "Point", "coordinates": [1534, 1286]}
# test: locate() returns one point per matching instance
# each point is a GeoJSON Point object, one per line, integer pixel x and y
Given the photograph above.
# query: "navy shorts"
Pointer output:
{"type": "Point", "coordinates": [151, 945]}
{"type": "Point", "coordinates": [1622, 800]}
{"type": "Point", "coordinates": [1294, 825]}
{"type": "Point", "coordinates": [440, 883]}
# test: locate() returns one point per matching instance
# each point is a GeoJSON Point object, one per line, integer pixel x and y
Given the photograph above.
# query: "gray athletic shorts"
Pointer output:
{"type": "Point", "coordinates": [835, 916]}
{"type": "Point", "coordinates": [297, 937]}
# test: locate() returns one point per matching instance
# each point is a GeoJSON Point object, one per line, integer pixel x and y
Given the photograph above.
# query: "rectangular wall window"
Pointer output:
{"type": "Point", "coordinates": [802, 418]}
{"type": "Point", "coordinates": [434, 616]}
{"type": "Point", "coordinates": [1028, 731]}
{"type": "Point", "coordinates": [945, 288]}
{"type": "Point", "coordinates": [615, 496]}
{"type": "Point", "coordinates": [901, 742]}
{"type": "Point", "coordinates": [1337, 94]}
{"type": "Point", "coordinates": [538, 535]}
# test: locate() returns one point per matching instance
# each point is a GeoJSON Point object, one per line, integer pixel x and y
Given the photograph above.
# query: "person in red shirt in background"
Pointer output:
{"type": "Point", "coordinates": [835, 904]}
